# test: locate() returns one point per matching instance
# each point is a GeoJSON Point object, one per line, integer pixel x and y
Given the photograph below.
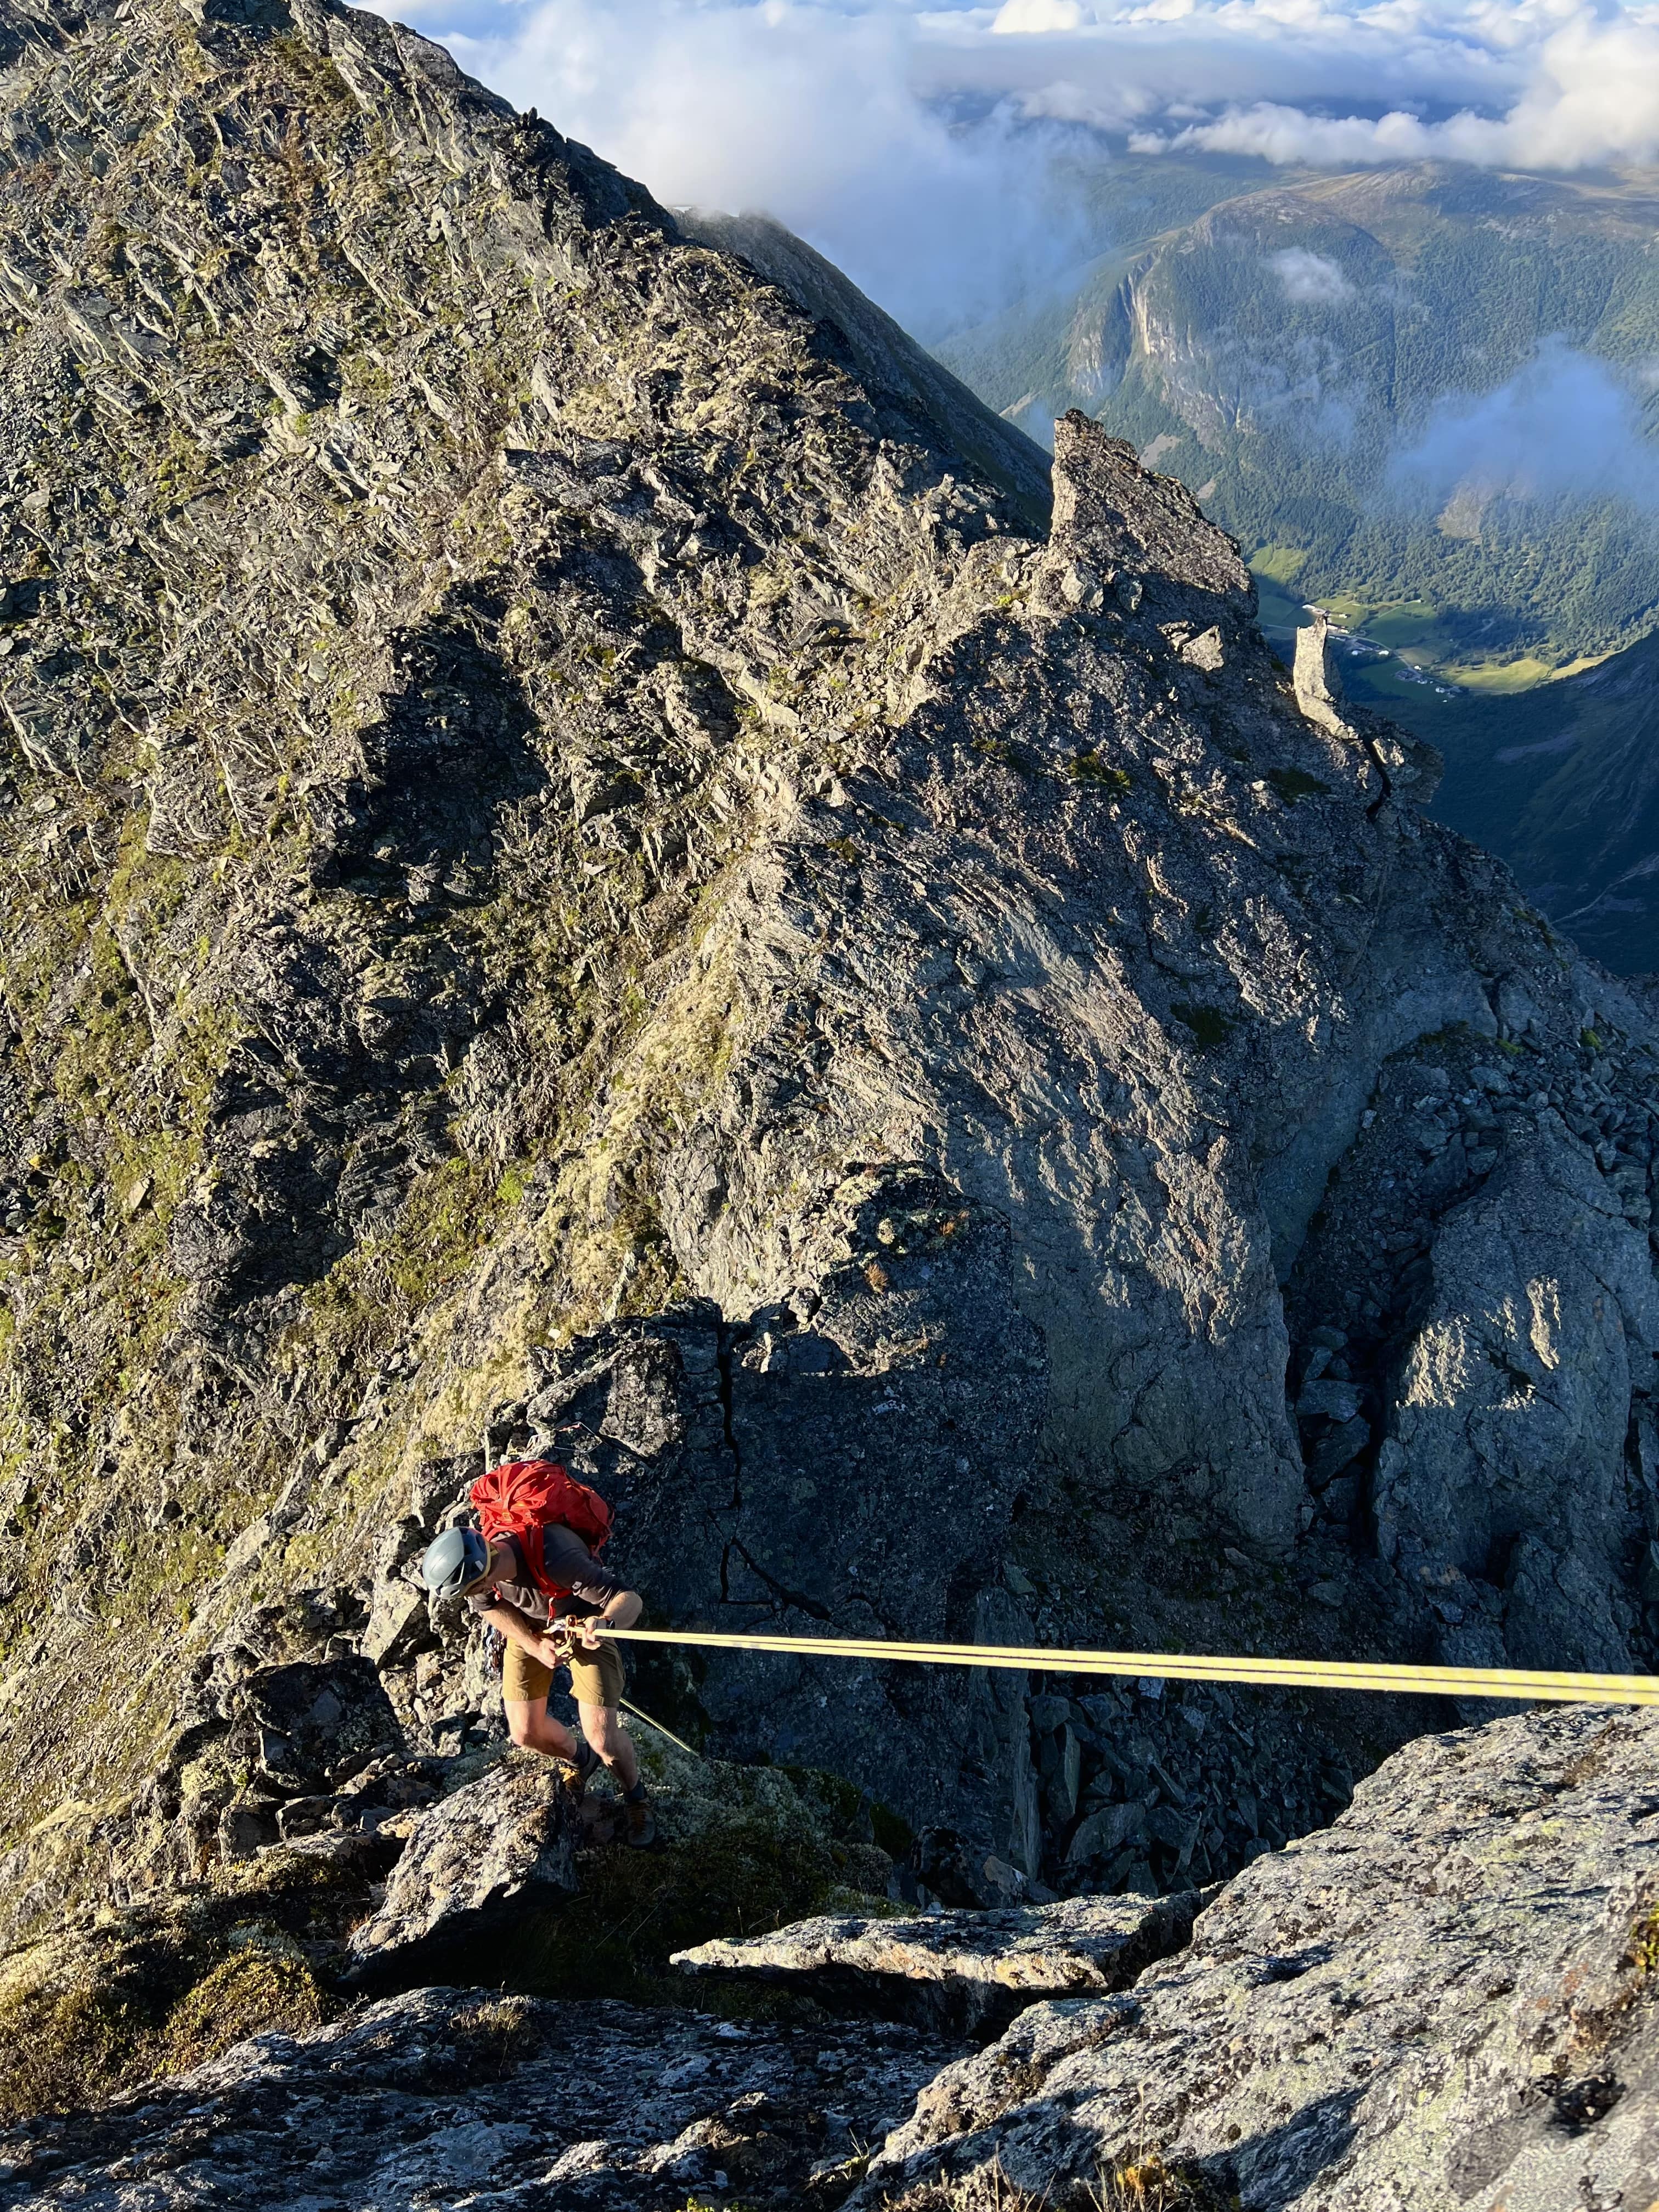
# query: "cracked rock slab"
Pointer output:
{"type": "Point", "coordinates": [445, 2097]}
{"type": "Point", "coordinates": [475, 1861]}
{"type": "Point", "coordinates": [1447, 1998]}
{"type": "Point", "coordinates": [966, 1970]}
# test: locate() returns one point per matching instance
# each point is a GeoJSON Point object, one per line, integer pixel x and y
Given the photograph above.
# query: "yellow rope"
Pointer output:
{"type": "Point", "coordinates": [659, 1727]}
{"type": "Point", "coordinates": [1534, 1684]}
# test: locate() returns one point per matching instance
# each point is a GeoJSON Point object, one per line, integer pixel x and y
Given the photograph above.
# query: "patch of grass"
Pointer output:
{"type": "Point", "coordinates": [890, 1832]}
{"type": "Point", "coordinates": [78, 2048]}
{"type": "Point", "coordinates": [1501, 677]}
{"type": "Point", "coordinates": [87, 2015]}
{"type": "Point", "coordinates": [1089, 767]}
{"type": "Point", "coordinates": [1644, 1944]}
{"type": "Point", "coordinates": [1006, 754]}
{"type": "Point", "coordinates": [258, 1990]}
{"type": "Point", "coordinates": [1149, 2184]}
{"type": "Point", "coordinates": [1281, 562]}
{"type": "Point", "coordinates": [1146, 2183]}
{"type": "Point", "coordinates": [1401, 622]}
{"type": "Point", "coordinates": [372, 1295]}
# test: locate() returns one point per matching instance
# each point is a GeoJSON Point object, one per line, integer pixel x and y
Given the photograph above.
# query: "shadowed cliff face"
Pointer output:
{"type": "Point", "coordinates": [540, 791]}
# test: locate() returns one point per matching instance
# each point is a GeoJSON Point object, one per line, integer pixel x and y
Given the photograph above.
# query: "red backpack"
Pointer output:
{"type": "Point", "coordinates": [521, 1496]}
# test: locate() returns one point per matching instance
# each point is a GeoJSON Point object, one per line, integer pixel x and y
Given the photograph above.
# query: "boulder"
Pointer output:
{"type": "Point", "coordinates": [962, 1971]}
{"type": "Point", "coordinates": [396, 1621]}
{"type": "Point", "coordinates": [1443, 1999]}
{"type": "Point", "coordinates": [497, 1848]}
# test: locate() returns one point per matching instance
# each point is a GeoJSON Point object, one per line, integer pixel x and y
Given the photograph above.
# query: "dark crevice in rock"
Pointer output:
{"type": "Point", "coordinates": [723, 1358]}
{"type": "Point", "coordinates": [788, 1599]}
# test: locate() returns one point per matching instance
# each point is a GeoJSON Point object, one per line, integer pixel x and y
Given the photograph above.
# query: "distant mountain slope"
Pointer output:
{"type": "Point", "coordinates": [1283, 350]}
{"type": "Point", "coordinates": [1563, 782]}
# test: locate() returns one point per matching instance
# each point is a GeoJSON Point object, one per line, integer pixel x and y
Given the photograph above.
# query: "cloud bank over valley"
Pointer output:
{"type": "Point", "coordinates": [928, 151]}
{"type": "Point", "coordinates": [1567, 427]}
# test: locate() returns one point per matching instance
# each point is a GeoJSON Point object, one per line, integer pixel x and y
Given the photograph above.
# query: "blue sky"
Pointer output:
{"type": "Point", "coordinates": [923, 148]}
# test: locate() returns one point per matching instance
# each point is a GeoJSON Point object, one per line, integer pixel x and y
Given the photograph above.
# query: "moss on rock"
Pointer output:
{"type": "Point", "coordinates": [739, 1850]}
{"type": "Point", "coordinates": [117, 1998]}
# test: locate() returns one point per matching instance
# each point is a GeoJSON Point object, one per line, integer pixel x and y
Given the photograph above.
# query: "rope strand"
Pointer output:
{"type": "Point", "coordinates": [1535, 1684]}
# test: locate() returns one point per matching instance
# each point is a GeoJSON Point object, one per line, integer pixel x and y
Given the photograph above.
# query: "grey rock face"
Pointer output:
{"type": "Point", "coordinates": [966, 1970]}
{"type": "Point", "coordinates": [1515, 1395]}
{"type": "Point", "coordinates": [1487, 1256]}
{"type": "Point", "coordinates": [847, 1464]}
{"type": "Point", "coordinates": [479, 1857]}
{"type": "Point", "coordinates": [551, 783]}
{"type": "Point", "coordinates": [885, 352]}
{"type": "Point", "coordinates": [1442, 1999]}
{"type": "Point", "coordinates": [446, 2096]}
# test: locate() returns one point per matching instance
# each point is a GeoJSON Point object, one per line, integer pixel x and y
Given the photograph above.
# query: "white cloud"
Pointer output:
{"type": "Point", "coordinates": [918, 146]}
{"type": "Point", "coordinates": [810, 114]}
{"type": "Point", "coordinates": [1021, 15]}
{"type": "Point", "coordinates": [1591, 97]}
{"type": "Point", "coordinates": [1567, 426]}
{"type": "Point", "coordinates": [1309, 278]}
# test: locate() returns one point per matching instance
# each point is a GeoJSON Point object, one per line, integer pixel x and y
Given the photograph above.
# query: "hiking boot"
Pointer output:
{"type": "Point", "coordinates": [642, 1824]}
{"type": "Point", "coordinates": [576, 1773]}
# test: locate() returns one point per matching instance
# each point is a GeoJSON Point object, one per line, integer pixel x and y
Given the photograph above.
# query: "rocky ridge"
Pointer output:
{"type": "Point", "coordinates": [578, 857]}
{"type": "Point", "coordinates": [1447, 1997]}
{"type": "Point", "coordinates": [433, 2097]}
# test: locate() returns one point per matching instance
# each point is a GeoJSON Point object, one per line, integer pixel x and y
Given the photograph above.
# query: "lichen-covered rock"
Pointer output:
{"type": "Point", "coordinates": [476, 1861]}
{"type": "Point", "coordinates": [1443, 1999]}
{"type": "Point", "coordinates": [968, 1970]}
{"type": "Point", "coordinates": [446, 2096]}
{"type": "Point", "coordinates": [507, 1881]}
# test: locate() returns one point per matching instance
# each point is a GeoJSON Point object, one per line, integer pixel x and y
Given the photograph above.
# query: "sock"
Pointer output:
{"type": "Point", "coordinates": [636, 1795]}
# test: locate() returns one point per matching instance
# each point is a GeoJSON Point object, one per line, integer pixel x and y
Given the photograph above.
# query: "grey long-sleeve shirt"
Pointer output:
{"type": "Point", "coordinates": [566, 1559]}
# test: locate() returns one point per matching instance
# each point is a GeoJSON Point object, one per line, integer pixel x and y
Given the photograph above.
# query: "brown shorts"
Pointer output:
{"type": "Point", "coordinates": [596, 1677]}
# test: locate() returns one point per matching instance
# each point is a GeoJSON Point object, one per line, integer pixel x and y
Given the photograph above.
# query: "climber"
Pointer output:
{"type": "Point", "coordinates": [531, 1576]}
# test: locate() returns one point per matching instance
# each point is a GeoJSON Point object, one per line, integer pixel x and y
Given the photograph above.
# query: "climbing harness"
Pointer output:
{"type": "Point", "coordinates": [1534, 1684]}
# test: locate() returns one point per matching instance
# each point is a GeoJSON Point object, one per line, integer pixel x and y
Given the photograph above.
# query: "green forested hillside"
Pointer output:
{"type": "Point", "coordinates": [1317, 357]}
